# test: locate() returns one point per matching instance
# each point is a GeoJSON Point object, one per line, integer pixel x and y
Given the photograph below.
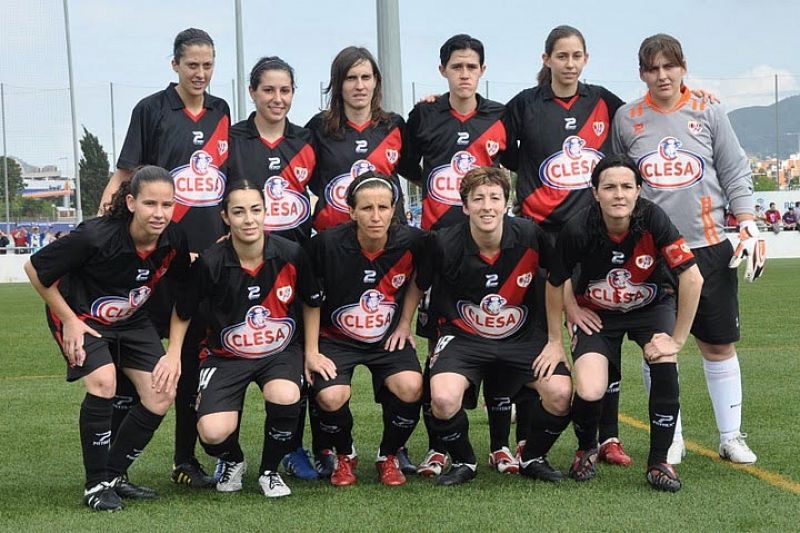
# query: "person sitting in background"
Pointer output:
{"type": "Point", "coordinates": [4, 241]}
{"type": "Point", "coordinates": [730, 221]}
{"type": "Point", "coordinates": [761, 221]}
{"type": "Point", "coordinates": [773, 218]}
{"type": "Point", "coordinates": [790, 219]}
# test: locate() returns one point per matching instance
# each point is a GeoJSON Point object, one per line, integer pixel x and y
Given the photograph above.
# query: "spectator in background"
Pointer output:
{"type": "Point", "coordinates": [35, 239]}
{"type": "Point", "coordinates": [20, 236]}
{"type": "Point", "coordinates": [761, 221]}
{"type": "Point", "coordinates": [4, 241]}
{"type": "Point", "coordinates": [773, 218]}
{"type": "Point", "coordinates": [790, 219]}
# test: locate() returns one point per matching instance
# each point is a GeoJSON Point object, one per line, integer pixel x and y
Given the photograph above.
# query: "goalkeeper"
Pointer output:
{"type": "Point", "coordinates": [693, 166]}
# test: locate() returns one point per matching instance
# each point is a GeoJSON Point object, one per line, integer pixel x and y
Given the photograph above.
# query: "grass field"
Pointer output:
{"type": "Point", "coordinates": [41, 473]}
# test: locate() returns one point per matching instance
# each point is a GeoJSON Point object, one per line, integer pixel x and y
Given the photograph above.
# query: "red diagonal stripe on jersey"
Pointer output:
{"type": "Point", "coordinates": [287, 277]}
{"type": "Point", "coordinates": [544, 200]}
{"type": "Point", "coordinates": [463, 326]}
{"type": "Point", "coordinates": [305, 159]}
{"type": "Point", "coordinates": [378, 157]}
{"type": "Point", "coordinates": [432, 211]}
{"type": "Point", "coordinates": [211, 148]}
{"type": "Point", "coordinates": [162, 269]}
{"type": "Point", "coordinates": [645, 246]}
{"type": "Point", "coordinates": [511, 290]}
{"type": "Point", "coordinates": [404, 266]}
{"type": "Point", "coordinates": [479, 148]}
{"type": "Point", "coordinates": [599, 114]}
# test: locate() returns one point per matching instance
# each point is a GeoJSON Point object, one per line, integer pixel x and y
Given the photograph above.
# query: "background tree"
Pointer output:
{"type": "Point", "coordinates": [94, 172]}
{"type": "Point", "coordinates": [15, 184]}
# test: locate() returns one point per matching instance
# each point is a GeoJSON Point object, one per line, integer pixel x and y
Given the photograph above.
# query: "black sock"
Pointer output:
{"type": "Point", "coordinates": [124, 399]}
{"type": "Point", "coordinates": [544, 431]}
{"type": "Point", "coordinates": [134, 433]}
{"type": "Point", "coordinates": [526, 402]}
{"type": "Point", "coordinates": [399, 420]}
{"type": "Point", "coordinates": [609, 419]}
{"type": "Point", "coordinates": [95, 428]}
{"type": "Point", "coordinates": [299, 432]}
{"type": "Point", "coordinates": [185, 400]}
{"type": "Point", "coordinates": [319, 439]}
{"type": "Point", "coordinates": [453, 434]}
{"type": "Point", "coordinates": [664, 407]}
{"type": "Point", "coordinates": [337, 426]}
{"type": "Point", "coordinates": [585, 416]}
{"type": "Point", "coordinates": [280, 425]}
{"type": "Point", "coordinates": [227, 450]}
{"type": "Point", "coordinates": [498, 411]}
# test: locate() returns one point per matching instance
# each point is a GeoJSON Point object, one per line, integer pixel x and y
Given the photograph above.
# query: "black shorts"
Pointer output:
{"type": "Point", "coordinates": [640, 326]}
{"type": "Point", "coordinates": [380, 362]}
{"type": "Point", "coordinates": [717, 319]}
{"type": "Point", "coordinates": [224, 380]}
{"type": "Point", "coordinates": [476, 358]}
{"type": "Point", "coordinates": [133, 343]}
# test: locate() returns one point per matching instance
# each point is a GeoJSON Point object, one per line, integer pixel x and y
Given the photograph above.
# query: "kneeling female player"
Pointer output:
{"type": "Point", "coordinates": [367, 272]}
{"type": "Point", "coordinates": [626, 247]}
{"type": "Point", "coordinates": [249, 289]}
{"type": "Point", "coordinates": [95, 281]}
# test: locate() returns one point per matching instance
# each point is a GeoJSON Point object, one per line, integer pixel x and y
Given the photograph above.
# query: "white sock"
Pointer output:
{"type": "Point", "coordinates": [724, 380]}
{"type": "Point", "coordinates": [678, 423]}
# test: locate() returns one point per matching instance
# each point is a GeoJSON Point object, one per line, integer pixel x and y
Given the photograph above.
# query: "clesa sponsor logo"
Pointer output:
{"type": "Point", "coordinates": [617, 292]}
{"type": "Point", "coordinates": [571, 168]}
{"type": "Point", "coordinates": [445, 180]}
{"type": "Point", "coordinates": [116, 308]}
{"type": "Point", "coordinates": [336, 190]}
{"type": "Point", "coordinates": [369, 319]}
{"type": "Point", "coordinates": [260, 335]}
{"type": "Point", "coordinates": [200, 183]}
{"type": "Point", "coordinates": [286, 208]}
{"type": "Point", "coordinates": [670, 166]}
{"type": "Point", "coordinates": [493, 319]}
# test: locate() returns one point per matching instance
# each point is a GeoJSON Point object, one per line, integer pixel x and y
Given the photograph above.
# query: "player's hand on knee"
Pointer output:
{"type": "Point", "coordinates": [72, 340]}
{"type": "Point", "coordinates": [552, 354]}
{"type": "Point", "coordinates": [584, 318]}
{"type": "Point", "coordinates": [661, 345]}
{"type": "Point", "coordinates": [319, 364]}
{"type": "Point", "coordinates": [397, 340]}
{"type": "Point", "coordinates": [167, 372]}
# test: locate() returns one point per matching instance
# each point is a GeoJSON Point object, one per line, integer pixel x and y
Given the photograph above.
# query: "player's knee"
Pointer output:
{"type": "Point", "coordinates": [102, 382]}
{"type": "Point", "coordinates": [717, 352]}
{"type": "Point", "coordinates": [282, 392]}
{"type": "Point", "coordinates": [557, 398]}
{"type": "Point", "coordinates": [211, 432]}
{"type": "Point", "coordinates": [160, 402]}
{"type": "Point", "coordinates": [590, 391]}
{"type": "Point", "coordinates": [333, 398]}
{"type": "Point", "coordinates": [444, 404]}
{"type": "Point", "coordinates": [407, 387]}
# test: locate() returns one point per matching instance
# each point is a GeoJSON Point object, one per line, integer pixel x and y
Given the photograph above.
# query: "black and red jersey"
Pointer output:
{"type": "Point", "coordinates": [363, 292]}
{"type": "Point", "coordinates": [487, 297]}
{"type": "Point", "coordinates": [282, 168]}
{"type": "Point", "coordinates": [626, 273]}
{"type": "Point", "coordinates": [102, 276]}
{"type": "Point", "coordinates": [251, 313]}
{"type": "Point", "coordinates": [192, 148]}
{"type": "Point", "coordinates": [560, 142]}
{"type": "Point", "coordinates": [449, 145]}
{"type": "Point", "coordinates": [362, 148]}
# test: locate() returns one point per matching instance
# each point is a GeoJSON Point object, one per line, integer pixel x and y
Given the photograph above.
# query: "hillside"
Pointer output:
{"type": "Point", "coordinates": [755, 127]}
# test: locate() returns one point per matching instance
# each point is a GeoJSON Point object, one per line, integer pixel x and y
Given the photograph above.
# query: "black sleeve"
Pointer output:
{"type": "Point", "coordinates": [179, 268]}
{"type": "Point", "coordinates": [409, 166]}
{"type": "Point", "coordinates": [669, 241]}
{"type": "Point", "coordinates": [133, 149]}
{"type": "Point", "coordinates": [194, 291]}
{"type": "Point", "coordinates": [430, 261]}
{"type": "Point", "coordinates": [308, 284]}
{"type": "Point", "coordinates": [512, 120]}
{"type": "Point", "coordinates": [565, 256]}
{"type": "Point", "coordinates": [64, 255]}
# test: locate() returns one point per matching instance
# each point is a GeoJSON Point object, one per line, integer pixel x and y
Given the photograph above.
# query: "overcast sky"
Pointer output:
{"type": "Point", "coordinates": [734, 48]}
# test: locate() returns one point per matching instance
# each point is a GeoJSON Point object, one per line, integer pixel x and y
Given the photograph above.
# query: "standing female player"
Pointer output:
{"type": "Point", "coordinates": [185, 130]}
{"type": "Point", "coordinates": [563, 128]}
{"type": "Point", "coordinates": [367, 270]}
{"type": "Point", "coordinates": [626, 247]}
{"type": "Point", "coordinates": [250, 288]}
{"type": "Point", "coordinates": [693, 166]}
{"type": "Point", "coordinates": [95, 281]}
{"type": "Point", "coordinates": [277, 155]}
{"type": "Point", "coordinates": [354, 135]}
